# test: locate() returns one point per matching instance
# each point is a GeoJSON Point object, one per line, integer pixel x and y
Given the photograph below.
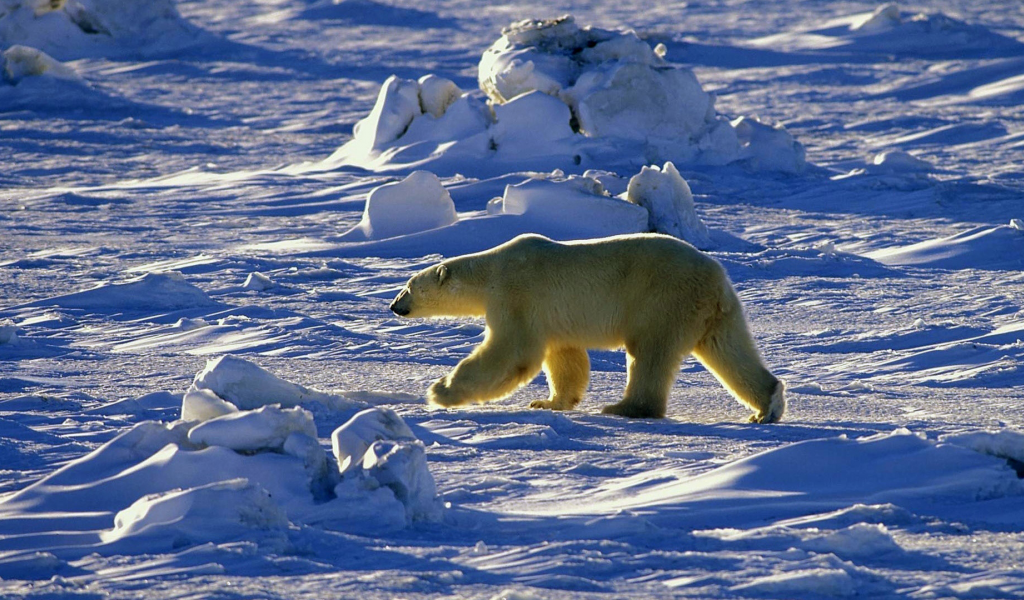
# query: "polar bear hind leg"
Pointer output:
{"type": "Point", "coordinates": [651, 367]}
{"type": "Point", "coordinates": [728, 351]}
{"type": "Point", "coordinates": [568, 372]}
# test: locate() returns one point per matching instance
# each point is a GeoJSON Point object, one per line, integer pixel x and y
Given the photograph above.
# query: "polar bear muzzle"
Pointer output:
{"type": "Point", "coordinates": [402, 304]}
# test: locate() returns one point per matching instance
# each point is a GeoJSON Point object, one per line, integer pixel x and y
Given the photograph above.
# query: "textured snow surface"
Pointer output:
{"type": "Point", "coordinates": [207, 206]}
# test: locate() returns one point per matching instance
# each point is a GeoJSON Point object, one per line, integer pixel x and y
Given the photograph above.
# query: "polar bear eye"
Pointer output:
{"type": "Point", "coordinates": [442, 273]}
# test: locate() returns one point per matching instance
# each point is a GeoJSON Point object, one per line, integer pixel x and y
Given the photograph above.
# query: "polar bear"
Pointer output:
{"type": "Point", "coordinates": [547, 302]}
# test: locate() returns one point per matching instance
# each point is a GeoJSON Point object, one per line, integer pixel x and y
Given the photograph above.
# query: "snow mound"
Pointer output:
{"type": "Point", "coordinates": [768, 147]}
{"type": "Point", "coordinates": [241, 384]}
{"type": "Point", "coordinates": [149, 292]}
{"type": "Point", "coordinates": [258, 282]}
{"type": "Point", "coordinates": [351, 441]}
{"type": "Point", "coordinates": [898, 161]}
{"type": "Point", "coordinates": [669, 203]}
{"type": "Point", "coordinates": [576, 204]}
{"type": "Point", "coordinates": [19, 62]}
{"type": "Point", "coordinates": [78, 28]}
{"type": "Point", "coordinates": [802, 583]}
{"type": "Point", "coordinates": [264, 428]}
{"type": "Point", "coordinates": [886, 16]}
{"type": "Point", "coordinates": [1004, 444]}
{"type": "Point", "coordinates": [213, 512]}
{"type": "Point", "coordinates": [8, 332]}
{"type": "Point", "coordinates": [246, 475]}
{"type": "Point", "coordinates": [1000, 247]}
{"type": "Point", "coordinates": [559, 96]}
{"type": "Point", "coordinates": [417, 203]}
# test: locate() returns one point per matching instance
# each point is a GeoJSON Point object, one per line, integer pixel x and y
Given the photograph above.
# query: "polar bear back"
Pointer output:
{"type": "Point", "coordinates": [599, 292]}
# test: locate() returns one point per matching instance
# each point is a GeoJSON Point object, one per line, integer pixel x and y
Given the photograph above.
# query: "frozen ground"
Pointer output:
{"type": "Point", "coordinates": [173, 191]}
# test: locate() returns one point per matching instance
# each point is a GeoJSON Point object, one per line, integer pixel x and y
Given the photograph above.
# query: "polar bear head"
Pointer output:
{"type": "Point", "coordinates": [443, 290]}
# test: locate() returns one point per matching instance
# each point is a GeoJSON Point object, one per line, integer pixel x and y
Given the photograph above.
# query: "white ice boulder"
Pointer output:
{"type": "Point", "coordinates": [575, 204]}
{"type": "Point", "coordinates": [376, 451]}
{"type": "Point", "coordinates": [669, 203]}
{"type": "Point", "coordinates": [532, 123]}
{"type": "Point", "coordinates": [768, 147]}
{"type": "Point", "coordinates": [399, 102]}
{"type": "Point", "coordinates": [19, 62]}
{"type": "Point", "coordinates": [417, 203]}
{"type": "Point", "coordinates": [437, 94]}
{"type": "Point", "coordinates": [351, 441]}
{"type": "Point", "coordinates": [615, 84]}
{"type": "Point", "coordinates": [402, 468]}
{"type": "Point", "coordinates": [199, 404]}
{"type": "Point", "coordinates": [265, 428]}
{"type": "Point", "coordinates": [258, 282]}
{"type": "Point", "coordinates": [247, 385]}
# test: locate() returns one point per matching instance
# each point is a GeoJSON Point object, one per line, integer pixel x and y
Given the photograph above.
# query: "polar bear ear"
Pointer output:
{"type": "Point", "coordinates": [442, 274]}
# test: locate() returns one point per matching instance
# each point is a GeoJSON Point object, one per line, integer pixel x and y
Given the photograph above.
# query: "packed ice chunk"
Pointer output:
{"type": "Point", "coordinates": [576, 204]}
{"type": "Point", "coordinates": [437, 94]}
{"type": "Point", "coordinates": [351, 441]}
{"type": "Point", "coordinates": [615, 84]}
{"type": "Point", "coordinates": [247, 385]}
{"type": "Point", "coordinates": [265, 428]}
{"type": "Point", "coordinates": [200, 404]}
{"type": "Point", "coordinates": [257, 281]}
{"type": "Point", "coordinates": [532, 123]}
{"type": "Point", "coordinates": [399, 102]}
{"type": "Point", "coordinates": [768, 147]}
{"type": "Point", "coordinates": [19, 62]}
{"type": "Point", "coordinates": [898, 161]}
{"type": "Point", "coordinates": [213, 512]}
{"type": "Point", "coordinates": [376, 451]}
{"type": "Point", "coordinates": [669, 203]}
{"type": "Point", "coordinates": [402, 468]}
{"type": "Point", "coordinates": [417, 203]}
{"type": "Point", "coordinates": [886, 16]}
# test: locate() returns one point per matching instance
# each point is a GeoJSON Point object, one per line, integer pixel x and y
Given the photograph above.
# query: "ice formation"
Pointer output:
{"type": "Point", "coordinates": [244, 385]}
{"type": "Point", "coordinates": [8, 332]}
{"type": "Point", "coordinates": [669, 203]}
{"type": "Point", "coordinates": [570, 204]}
{"type": "Point", "coordinates": [560, 96]}
{"type": "Point", "coordinates": [417, 203]}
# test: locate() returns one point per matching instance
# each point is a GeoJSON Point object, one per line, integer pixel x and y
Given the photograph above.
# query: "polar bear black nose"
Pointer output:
{"type": "Point", "coordinates": [399, 310]}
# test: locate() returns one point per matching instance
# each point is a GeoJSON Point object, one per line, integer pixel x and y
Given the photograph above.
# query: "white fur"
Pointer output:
{"type": "Point", "coordinates": [546, 303]}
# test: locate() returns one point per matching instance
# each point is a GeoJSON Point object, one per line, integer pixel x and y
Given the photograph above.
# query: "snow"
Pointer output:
{"type": "Point", "coordinates": [167, 430]}
{"type": "Point", "coordinates": [417, 203]}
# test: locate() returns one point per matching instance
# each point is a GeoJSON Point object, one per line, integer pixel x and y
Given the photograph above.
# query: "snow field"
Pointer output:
{"type": "Point", "coordinates": [202, 392]}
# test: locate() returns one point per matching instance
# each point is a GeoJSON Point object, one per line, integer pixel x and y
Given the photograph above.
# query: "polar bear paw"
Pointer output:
{"type": "Point", "coordinates": [776, 406]}
{"type": "Point", "coordinates": [553, 404]}
{"type": "Point", "coordinates": [440, 394]}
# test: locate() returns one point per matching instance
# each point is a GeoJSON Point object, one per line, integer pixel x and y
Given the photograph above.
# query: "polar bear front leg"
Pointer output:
{"type": "Point", "coordinates": [568, 372]}
{"type": "Point", "coordinates": [495, 368]}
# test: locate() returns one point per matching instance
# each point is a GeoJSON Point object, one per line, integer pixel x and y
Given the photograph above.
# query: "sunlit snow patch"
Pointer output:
{"type": "Point", "coordinates": [417, 203]}
{"type": "Point", "coordinates": [559, 96]}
